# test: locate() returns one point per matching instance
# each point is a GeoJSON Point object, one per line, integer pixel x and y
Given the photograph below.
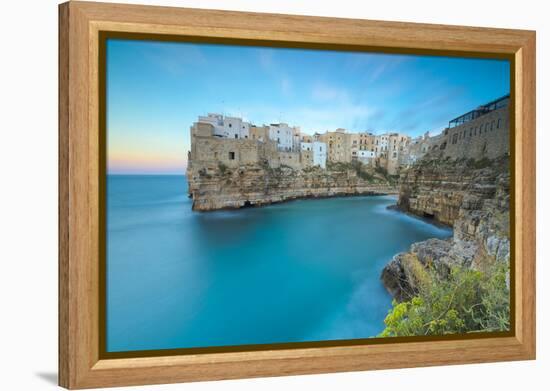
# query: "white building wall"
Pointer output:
{"type": "Point", "coordinates": [227, 127]}
{"type": "Point", "coordinates": [234, 127]}
{"type": "Point", "coordinates": [319, 154]}
{"type": "Point", "coordinates": [306, 146]}
{"type": "Point", "coordinates": [366, 157]}
{"type": "Point", "coordinates": [283, 135]}
{"type": "Point", "coordinates": [381, 145]}
{"type": "Point", "coordinates": [216, 120]}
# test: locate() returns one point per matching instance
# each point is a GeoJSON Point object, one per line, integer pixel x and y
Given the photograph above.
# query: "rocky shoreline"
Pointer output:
{"type": "Point", "coordinates": [219, 188]}
{"type": "Point", "coordinates": [471, 197]}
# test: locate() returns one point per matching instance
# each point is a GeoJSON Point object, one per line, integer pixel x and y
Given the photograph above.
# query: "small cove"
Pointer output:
{"type": "Point", "coordinates": [305, 270]}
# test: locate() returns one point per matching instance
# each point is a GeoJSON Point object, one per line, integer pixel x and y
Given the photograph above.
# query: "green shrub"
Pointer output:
{"type": "Point", "coordinates": [464, 301]}
{"type": "Point", "coordinates": [382, 171]}
{"type": "Point", "coordinates": [479, 164]}
{"type": "Point", "coordinates": [222, 167]}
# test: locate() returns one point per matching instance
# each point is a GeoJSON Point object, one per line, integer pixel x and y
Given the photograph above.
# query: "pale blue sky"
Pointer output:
{"type": "Point", "coordinates": [156, 90]}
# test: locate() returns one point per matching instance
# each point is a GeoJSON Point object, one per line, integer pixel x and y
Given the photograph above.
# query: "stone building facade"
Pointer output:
{"type": "Point", "coordinates": [209, 150]}
{"type": "Point", "coordinates": [259, 133]}
{"type": "Point", "coordinates": [338, 145]}
{"type": "Point", "coordinates": [228, 127]}
{"type": "Point", "coordinates": [480, 133]}
{"type": "Point", "coordinates": [290, 159]}
{"type": "Point", "coordinates": [397, 152]}
{"type": "Point", "coordinates": [275, 145]}
{"type": "Point", "coordinates": [418, 148]}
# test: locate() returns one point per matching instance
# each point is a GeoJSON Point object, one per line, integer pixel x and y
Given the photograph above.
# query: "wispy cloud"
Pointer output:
{"type": "Point", "coordinates": [434, 109]}
{"type": "Point", "coordinates": [383, 67]}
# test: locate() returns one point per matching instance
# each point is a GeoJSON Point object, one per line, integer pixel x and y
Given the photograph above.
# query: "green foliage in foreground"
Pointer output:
{"type": "Point", "coordinates": [465, 301]}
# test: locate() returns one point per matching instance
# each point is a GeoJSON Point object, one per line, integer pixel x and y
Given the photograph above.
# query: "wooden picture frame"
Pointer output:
{"type": "Point", "coordinates": [81, 364]}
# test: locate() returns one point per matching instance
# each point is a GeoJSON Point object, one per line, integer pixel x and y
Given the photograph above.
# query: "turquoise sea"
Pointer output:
{"type": "Point", "coordinates": [304, 270]}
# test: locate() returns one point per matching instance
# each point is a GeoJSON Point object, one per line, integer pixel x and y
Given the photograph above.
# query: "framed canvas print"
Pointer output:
{"type": "Point", "coordinates": [248, 195]}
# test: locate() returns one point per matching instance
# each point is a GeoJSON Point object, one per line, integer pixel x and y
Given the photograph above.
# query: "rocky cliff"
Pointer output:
{"type": "Point", "coordinates": [472, 197]}
{"type": "Point", "coordinates": [219, 187]}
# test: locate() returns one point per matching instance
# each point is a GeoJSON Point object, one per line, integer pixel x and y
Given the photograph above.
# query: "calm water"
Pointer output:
{"type": "Point", "coordinates": [299, 271]}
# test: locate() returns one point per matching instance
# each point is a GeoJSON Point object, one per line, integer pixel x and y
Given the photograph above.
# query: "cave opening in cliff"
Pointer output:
{"type": "Point", "coordinates": [430, 216]}
{"type": "Point", "coordinates": [247, 204]}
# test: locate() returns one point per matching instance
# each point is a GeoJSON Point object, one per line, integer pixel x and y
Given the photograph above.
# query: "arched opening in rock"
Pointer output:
{"type": "Point", "coordinates": [428, 215]}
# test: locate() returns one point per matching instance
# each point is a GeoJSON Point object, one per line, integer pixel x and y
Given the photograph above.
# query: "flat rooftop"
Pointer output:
{"type": "Point", "coordinates": [481, 110]}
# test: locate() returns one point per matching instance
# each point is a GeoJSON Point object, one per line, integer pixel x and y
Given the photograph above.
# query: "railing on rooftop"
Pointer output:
{"type": "Point", "coordinates": [481, 110]}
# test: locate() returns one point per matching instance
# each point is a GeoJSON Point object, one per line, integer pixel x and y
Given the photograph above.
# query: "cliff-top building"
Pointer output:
{"type": "Point", "coordinates": [480, 133]}
{"type": "Point", "coordinates": [338, 145]}
{"type": "Point", "coordinates": [217, 139]}
{"type": "Point", "coordinates": [228, 127]}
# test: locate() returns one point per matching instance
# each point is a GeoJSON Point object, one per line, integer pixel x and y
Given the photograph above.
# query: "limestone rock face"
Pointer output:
{"type": "Point", "coordinates": [404, 272]}
{"type": "Point", "coordinates": [215, 187]}
{"type": "Point", "coordinates": [439, 189]}
{"type": "Point", "coordinates": [473, 200]}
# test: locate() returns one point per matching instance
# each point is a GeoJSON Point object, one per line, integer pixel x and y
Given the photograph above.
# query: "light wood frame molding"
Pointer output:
{"type": "Point", "coordinates": [80, 365]}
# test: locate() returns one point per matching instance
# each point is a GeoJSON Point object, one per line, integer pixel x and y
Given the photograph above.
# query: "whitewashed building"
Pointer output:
{"type": "Point", "coordinates": [318, 151]}
{"type": "Point", "coordinates": [319, 154]}
{"type": "Point", "coordinates": [366, 157]}
{"type": "Point", "coordinates": [381, 145]}
{"type": "Point", "coordinates": [306, 146]}
{"type": "Point", "coordinates": [227, 127]}
{"type": "Point", "coordinates": [283, 134]}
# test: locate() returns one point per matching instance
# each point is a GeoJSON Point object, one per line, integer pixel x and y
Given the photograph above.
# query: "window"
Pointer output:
{"type": "Point", "coordinates": [492, 124]}
{"type": "Point", "coordinates": [230, 125]}
{"type": "Point", "coordinates": [455, 137]}
{"type": "Point", "coordinates": [236, 136]}
{"type": "Point", "coordinates": [486, 127]}
{"type": "Point", "coordinates": [498, 123]}
{"type": "Point", "coordinates": [471, 131]}
{"type": "Point", "coordinates": [231, 155]}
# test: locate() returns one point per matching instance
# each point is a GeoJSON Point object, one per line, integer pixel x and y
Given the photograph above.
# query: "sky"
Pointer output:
{"type": "Point", "coordinates": [156, 90]}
